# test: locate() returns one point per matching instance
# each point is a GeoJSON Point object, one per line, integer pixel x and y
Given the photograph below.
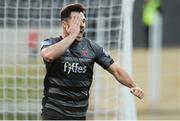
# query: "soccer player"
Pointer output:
{"type": "Point", "coordinates": [69, 61]}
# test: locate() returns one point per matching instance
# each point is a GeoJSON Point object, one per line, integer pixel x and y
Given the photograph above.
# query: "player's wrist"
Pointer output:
{"type": "Point", "coordinates": [72, 36]}
{"type": "Point", "coordinates": [133, 85]}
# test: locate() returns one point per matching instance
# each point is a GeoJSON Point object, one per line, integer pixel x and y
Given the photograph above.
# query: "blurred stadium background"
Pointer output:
{"type": "Point", "coordinates": [155, 64]}
{"type": "Point", "coordinates": [165, 104]}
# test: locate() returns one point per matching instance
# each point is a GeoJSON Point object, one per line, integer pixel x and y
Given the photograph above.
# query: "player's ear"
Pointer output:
{"type": "Point", "coordinates": [64, 24]}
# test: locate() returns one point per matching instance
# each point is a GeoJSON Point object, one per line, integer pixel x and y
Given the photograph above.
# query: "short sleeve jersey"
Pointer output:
{"type": "Point", "coordinates": [69, 77]}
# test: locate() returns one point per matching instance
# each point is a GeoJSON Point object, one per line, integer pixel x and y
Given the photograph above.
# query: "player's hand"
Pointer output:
{"type": "Point", "coordinates": [138, 92]}
{"type": "Point", "coordinates": [74, 25]}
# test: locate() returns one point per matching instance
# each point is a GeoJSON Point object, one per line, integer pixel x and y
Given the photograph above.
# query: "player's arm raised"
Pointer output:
{"type": "Point", "coordinates": [52, 52]}
{"type": "Point", "coordinates": [125, 79]}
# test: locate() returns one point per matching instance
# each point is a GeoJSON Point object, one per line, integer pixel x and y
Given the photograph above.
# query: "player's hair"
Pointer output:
{"type": "Point", "coordinates": [65, 12]}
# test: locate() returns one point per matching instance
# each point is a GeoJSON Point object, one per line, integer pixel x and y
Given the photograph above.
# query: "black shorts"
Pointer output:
{"type": "Point", "coordinates": [50, 114]}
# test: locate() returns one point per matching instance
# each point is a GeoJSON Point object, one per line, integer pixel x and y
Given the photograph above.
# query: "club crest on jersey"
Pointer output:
{"type": "Point", "coordinates": [74, 67]}
{"type": "Point", "coordinates": [84, 52]}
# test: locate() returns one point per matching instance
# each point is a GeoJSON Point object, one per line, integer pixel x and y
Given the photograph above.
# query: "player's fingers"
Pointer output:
{"type": "Point", "coordinates": [137, 92]}
{"type": "Point", "coordinates": [74, 26]}
{"type": "Point", "coordinates": [139, 95]}
{"type": "Point", "coordinates": [73, 20]}
{"type": "Point", "coordinates": [76, 20]}
{"type": "Point", "coordinates": [142, 95]}
{"type": "Point", "coordinates": [132, 90]}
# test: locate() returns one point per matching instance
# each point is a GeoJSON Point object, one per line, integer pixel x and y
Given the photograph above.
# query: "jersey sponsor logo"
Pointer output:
{"type": "Point", "coordinates": [74, 67]}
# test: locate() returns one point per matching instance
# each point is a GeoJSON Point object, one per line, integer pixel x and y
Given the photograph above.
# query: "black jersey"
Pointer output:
{"type": "Point", "coordinates": [69, 77]}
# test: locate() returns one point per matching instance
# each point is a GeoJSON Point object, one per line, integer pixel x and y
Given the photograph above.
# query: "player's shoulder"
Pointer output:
{"type": "Point", "coordinates": [93, 45]}
{"type": "Point", "coordinates": [50, 41]}
{"type": "Point", "coordinates": [53, 39]}
{"type": "Point", "coordinates": [90, 42]}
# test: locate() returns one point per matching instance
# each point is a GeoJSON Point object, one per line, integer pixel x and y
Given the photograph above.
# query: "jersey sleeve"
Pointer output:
{"type": "Point", "coordinates": [46, 43]}
{"type": "Point", "coordinates": [102, 57]}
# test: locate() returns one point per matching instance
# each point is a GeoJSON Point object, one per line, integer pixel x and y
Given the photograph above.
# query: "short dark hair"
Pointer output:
{"type": "Point", "coordinates": [75, 7]}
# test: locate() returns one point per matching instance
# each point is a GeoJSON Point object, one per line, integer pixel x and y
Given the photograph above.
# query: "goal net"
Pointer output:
{"type": "Point", "coordinates": [24, 23]}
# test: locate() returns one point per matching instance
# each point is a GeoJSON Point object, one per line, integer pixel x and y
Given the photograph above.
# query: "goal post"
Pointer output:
{"type": "Point", "coordinates": [24, 23]}
{"type": "Point", "coordinates": [127, 47]}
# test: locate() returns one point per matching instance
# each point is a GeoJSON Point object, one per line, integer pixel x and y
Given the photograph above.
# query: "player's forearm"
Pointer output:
{"type": "Point", "coordinates": [52, 52]}
{"type": "Point", "coordinates": [121, 75]}
{"type": "Point", "coordinates": [124, 78]}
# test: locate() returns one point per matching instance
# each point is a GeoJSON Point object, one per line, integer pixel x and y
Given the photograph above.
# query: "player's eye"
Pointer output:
{"type": "Point", "coordinates": [84, 20]}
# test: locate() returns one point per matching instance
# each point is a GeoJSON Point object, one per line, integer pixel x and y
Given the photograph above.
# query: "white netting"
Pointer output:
{"type": "Point", "coordinates": [23, 23]}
